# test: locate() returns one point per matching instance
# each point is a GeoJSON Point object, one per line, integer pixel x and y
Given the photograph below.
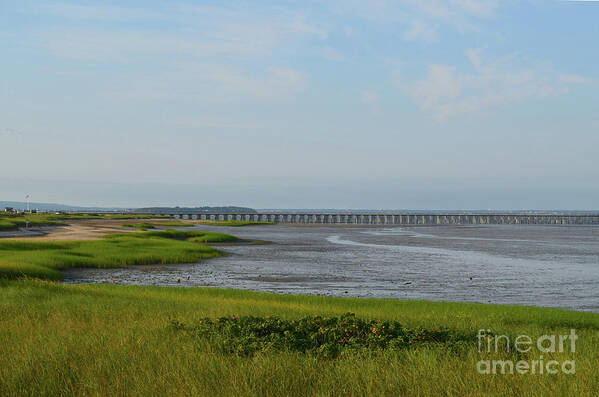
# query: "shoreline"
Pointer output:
{"type": "Point", "coordinates": [181, 285]}
{"type": "Point", "coordinates": [77, 229]}
{"type": "Point", "coordinates": [278, 280]}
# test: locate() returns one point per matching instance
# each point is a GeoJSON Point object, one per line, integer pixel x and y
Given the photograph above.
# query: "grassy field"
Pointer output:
{"type": "Point", "coordinates": [20, 258]}
{"type": "Point", "coordinates": [102, 339]}
{"type": "Point", "coordinates": [13, 222]}
{"type": "Point", "coordinates": [193, 236]}
{"type": "Point", "coordinates": [10, 222]}
{"type": "Point", "coordinates": [58, 339]}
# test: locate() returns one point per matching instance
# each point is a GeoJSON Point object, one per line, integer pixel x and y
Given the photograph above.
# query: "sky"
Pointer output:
{"type": "Point", "coordinates": [379, 104]}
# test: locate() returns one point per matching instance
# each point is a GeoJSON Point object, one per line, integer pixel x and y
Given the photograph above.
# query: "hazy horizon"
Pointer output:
{"type": "Point", "coordinates": [417, 195]}
{"type": "Point", "coordinates": [343, 104]}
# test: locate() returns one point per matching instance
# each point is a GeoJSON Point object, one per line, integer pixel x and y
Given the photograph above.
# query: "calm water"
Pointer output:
{"type": "Point", "coordinates": [514, 264]}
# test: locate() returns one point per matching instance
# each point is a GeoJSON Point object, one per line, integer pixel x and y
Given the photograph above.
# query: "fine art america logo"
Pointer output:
{"type": "Point", "coordinates": [525, 345]}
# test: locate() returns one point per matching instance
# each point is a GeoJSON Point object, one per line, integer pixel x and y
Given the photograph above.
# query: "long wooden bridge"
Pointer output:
{"type": "Point", "coordinates": [374, 218]}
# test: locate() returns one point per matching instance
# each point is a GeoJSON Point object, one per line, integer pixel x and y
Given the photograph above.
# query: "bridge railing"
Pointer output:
{"type": "Point", "coordinates": [399, 218]}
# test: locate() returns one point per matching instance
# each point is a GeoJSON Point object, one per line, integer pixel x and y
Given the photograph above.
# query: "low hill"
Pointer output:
{"type": "Point", "coordinates": [197, 210]}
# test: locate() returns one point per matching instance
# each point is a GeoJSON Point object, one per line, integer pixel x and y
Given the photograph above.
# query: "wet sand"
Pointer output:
{"type": "Point", "coordinates": [535, 265]}
{"type": "Point", "coordinates": [77, 230]}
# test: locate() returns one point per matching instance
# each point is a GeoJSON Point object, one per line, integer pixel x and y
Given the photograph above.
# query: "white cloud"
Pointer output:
{"type": "Point", "coordinates": [455, 12]}
{"type": "Point", "coordinates": [211, 83]}
{"type": "Point", "coordinates": [575, 79]}
{"type": "Point", "coordinates": [284, 80]}
{"type": "Point", "coordinates": [370, 97]}
{"type": "Point", "coordinates": [75, 11]}
{"type": "Point", "coordinates": [242, 23]}
{"type": "Point", "coordinates": [446, 92]}
{"type": "Point", "coordinates": [475, 58]}
{"type": "Point", "coordinates": [482, 8]}
{"type": "Point", "coordinates": [420, 31]}
{"type": "Point", "coordinates": [419, 19]}
{"type": "Point", "coordinates": [208, 53]}
{"type": "Point", "coordinates": [332, 54]}
{"type": "Point", "coordinates": [190, 16]}
{"type": "Point", "coordinates": [299, 25]}
{"type": "Point", "coordinates": [441, 86]}
{"type": "Point", "coordinates": [194, 31]}
{"type": "Point", "coordinates": [129, 46]}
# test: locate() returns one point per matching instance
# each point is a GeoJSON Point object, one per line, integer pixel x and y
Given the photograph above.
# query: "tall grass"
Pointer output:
{"type": "Point", "coordinates": [82, 340]}
{"type": "Point", "coordinates": [153, 225]}
{"type": "Point", "coordinates": [44, 259]}
{"type": "Point", "coordinates": [186, 235]}
{"type": "Point", "coordinates": [15, 221]}
{"type": "Point", "coordinates": [109, 340]}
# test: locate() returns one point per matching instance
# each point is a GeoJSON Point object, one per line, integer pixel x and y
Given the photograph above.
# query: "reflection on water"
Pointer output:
{"type": "Point", "coordinates": [514, 264]}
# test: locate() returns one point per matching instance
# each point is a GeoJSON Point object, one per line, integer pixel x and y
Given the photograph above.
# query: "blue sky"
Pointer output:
{"type": "Point", "coordinates": [457, 104]}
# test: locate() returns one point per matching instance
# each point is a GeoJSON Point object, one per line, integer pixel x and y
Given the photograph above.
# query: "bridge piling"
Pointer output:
{"type": "Point", "coordinates": [382, 219]}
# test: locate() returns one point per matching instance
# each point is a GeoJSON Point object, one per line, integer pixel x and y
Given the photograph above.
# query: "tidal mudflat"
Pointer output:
{"type": "Point", "coordinates": [553, 266]}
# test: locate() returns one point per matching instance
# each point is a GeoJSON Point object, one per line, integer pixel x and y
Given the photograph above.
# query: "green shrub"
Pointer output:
{"type": "Point", "coordinates": [320, 336]}
{"type": "Point", "coordinates": [143, 226]}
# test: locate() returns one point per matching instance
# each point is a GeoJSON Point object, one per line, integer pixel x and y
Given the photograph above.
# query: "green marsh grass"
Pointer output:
{"type": "Point", "coordinates": [15, 221]}
{"type": "Point", "coordinates": [142, 226]}
{"type": "Point", "coordinates": [194, 236]}
{"type": "Point", "coordinates": [109, 340]}
{"type": "Point", "coordinates": [90, 340]}
{"type": "Point", "coordinates": [22, 258]}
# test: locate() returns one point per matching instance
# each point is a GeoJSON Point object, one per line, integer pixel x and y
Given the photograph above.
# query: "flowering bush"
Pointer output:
{"type": "Point", "coordinates": [322, 336]}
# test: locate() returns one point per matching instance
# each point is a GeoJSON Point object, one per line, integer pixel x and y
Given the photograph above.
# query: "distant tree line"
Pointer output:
{"type": "Point", "coordinates": [193, 210]}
